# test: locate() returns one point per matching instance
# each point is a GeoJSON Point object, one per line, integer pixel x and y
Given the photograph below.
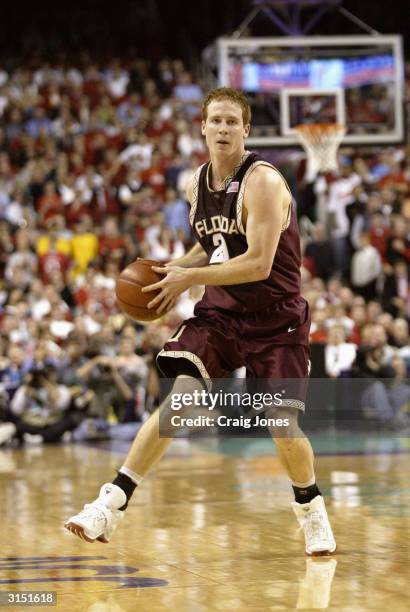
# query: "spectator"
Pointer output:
{"type": "Point", "coordinates": [111, 243]}
{"type": "Point", "coordinates": [11, 374]}
{"type": "Point", "coordinates": [366, 266]}
{"type": "Point", "coordinates": [319, 329]}
{"type": "Point", "coordinates": [40, 406]}
{"type": "Point", "coordinates": [339, 354]}
{"type": "Point", "coordinates": [379, 234]}
{"type": "Point", "coordinates": [383, 401]}
{"type": "Point", "coordinates": [396, 292]}
{"type": "Point", "coordinates": [188, 93]}
{"type": "Point", "coordinates": [49, 204]}
{"type": "Point", "coordinates": [85, 160]}
{"type": "Point", "coordinates": [176, 213]}
{"type": "Point", "coordinates": [320, 251]}
{"type": "Point", "coordinates": [113, 381]}
{"type": "Point", "coordinates": [53, 261]}
{"type": "Point", "coordinates": [398, 245]}
{"type": "Point", "coordinates": [340, 196]}
{"type": "Point", "coordinates": [400, 331]}
{"type": "Point", "coordinates": [358, 314]}
{"type": "Point", "coordinates": [130, 370]}
{"type": "Point", "coordinates": [23, 258]}
{"type": "Point", "coordinates": [84, 245]}
{"type": "Point", "coordinates": [39, 123]}
{"type": "Point", "coordinates": [129, 112]}
{"type": "Point", "coordinates": [339, 317]}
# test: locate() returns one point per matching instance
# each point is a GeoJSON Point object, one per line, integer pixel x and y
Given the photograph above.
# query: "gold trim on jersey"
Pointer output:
{"type": "Point", "coordinates": [229, 177]}
{"type": "Point", "coordinates": [195, 190]}
{"type": "Point", "coordinates": [193, 359]}
{"type": "Point", "coordinates": [239, 201]}
{"type": "Point", "coordinates": [293, 403]}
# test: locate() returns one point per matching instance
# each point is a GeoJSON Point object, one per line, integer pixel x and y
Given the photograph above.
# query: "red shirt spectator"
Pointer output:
{"type": "Point", "coordinates": [49, 204]}
{"type": "Point", "coordinates": [111, 241]}
{"type": "Point", "coordinates": [53, 261]}
{"type": "Point", "coordinates": [379, 234]}
{"type": "Point", "coordinates": [155, 174]}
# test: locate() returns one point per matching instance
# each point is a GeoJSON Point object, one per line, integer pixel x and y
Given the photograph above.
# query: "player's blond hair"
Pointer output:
{"type": "Point", "coordinates": [227, 93]}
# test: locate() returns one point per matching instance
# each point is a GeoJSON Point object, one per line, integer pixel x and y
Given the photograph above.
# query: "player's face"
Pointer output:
{"type": "Point", "coordinates": [223, 129]}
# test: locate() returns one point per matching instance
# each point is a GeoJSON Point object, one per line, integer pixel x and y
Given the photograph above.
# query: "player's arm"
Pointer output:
{"type": "Point", "coordinates": [266, 199]}
{"type": "Point", "coordinates": [196, 257]}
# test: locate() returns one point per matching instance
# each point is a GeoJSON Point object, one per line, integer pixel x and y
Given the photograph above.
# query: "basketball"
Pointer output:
{"type": "Point", "coordinates": [130, 298]}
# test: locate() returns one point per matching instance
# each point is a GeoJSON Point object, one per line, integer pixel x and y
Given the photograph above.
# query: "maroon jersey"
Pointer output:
{"type": "Point", "coordinates": [216, 219]}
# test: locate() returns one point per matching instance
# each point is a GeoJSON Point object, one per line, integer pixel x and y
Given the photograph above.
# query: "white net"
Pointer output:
{"type": "Point", "coordinates": [321, 142]}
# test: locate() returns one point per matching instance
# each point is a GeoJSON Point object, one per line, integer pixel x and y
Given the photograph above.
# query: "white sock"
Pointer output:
{"type": "Point", "coordinates": [136, 478]}
{"type": "Point", "coordinates": [304, 485]}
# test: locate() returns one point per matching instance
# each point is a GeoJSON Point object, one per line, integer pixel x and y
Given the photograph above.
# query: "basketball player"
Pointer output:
{"type": "Point", "coordinates": [248, 257]}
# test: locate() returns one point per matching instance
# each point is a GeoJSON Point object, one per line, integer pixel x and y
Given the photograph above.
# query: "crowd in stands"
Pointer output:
{"type": "Point", "coordinates": [93, 166]}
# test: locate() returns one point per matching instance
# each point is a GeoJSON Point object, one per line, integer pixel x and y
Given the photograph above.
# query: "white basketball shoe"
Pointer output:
{"type": "Point", "coordinates": [313, 520]}
{"type": "Point", "coordinates": [98, 520]}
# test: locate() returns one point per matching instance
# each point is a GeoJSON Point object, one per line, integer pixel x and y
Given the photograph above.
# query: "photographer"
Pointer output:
{"type": "Point", "coordinates": [127, 371]}
{"type": "Point", "coordinates": [375, 400]}
{"type": "Point", "coordinates": [40, 406]}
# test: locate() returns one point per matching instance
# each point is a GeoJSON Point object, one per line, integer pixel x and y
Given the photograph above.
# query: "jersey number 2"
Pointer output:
{"type": "Point", "coordinates": [221, 252]}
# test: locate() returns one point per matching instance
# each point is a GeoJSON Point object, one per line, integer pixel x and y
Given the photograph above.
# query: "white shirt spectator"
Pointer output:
{"type": "Point", "coordinates": [40, 309]}
{"type": "Point", "coordinates": [137, 154]}
{"type": "Point", "coordinates": [91, 325]}
{"type": "Point", "coordinates": [188, 144]}
{"type": "Point", "coordinates": [127, 191]}
{"type": "Point", "coordinates": [4, 77]}
{"type": "Point", "coordinates": [74, 76]}
{"type": "Point", "coordinates": [178, 249]}
{"type": "Point", "coordinates": [346, 322]}
{"type": "Point", "coordinates": [187, 300]}
{"type": "Point", "coordinates": [21, 402]}
{"type": "Point", "coordinates": [117, 83]}
{"type": "Point", "coordinates": [14, 213]}
{"type": "Point", "coordinates": [185, 306]}
{"type": "Point", "coordinates": [366, 266]}
{"type": "Point", "coordinates": [340, 195]}
{"type": "Point", "coordinates": [339, 357]}
{"type": "Point", "coordinates": [159, 252]}
{"type": "Point", "coordinates": [67, 194]}
{"type": "Point", "coordinates": [3, 102]}
{"type": "Point", "coordinates": [26, 261]}
{"type": "Point", "coordinates": [84, 185]}
{"type": "Point", "coordinates": [183, 179]}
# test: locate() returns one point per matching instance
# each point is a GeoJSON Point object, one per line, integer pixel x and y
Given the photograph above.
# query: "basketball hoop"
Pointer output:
{"type": "Point", "coordinates": [321, 142]}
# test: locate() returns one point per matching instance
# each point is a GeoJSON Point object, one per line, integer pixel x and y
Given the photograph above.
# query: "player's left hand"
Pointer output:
{"type": "Point", "coordinates": [176, 281]}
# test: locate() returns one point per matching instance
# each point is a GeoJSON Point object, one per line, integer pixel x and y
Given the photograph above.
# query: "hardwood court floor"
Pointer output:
{"type": "Point", "coordinates": [207, 531]}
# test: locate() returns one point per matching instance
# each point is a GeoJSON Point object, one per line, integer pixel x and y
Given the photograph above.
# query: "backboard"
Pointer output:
{"type": "Point", "coordinates": [353, 80]}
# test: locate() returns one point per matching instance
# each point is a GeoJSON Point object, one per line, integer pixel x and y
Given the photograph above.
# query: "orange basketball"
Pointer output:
{"type": "Point", "coordinates": [130, 298]}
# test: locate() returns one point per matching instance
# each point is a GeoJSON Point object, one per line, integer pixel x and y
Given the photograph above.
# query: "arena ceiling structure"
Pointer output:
{"type": "Point", "coordinates": [154, 28]}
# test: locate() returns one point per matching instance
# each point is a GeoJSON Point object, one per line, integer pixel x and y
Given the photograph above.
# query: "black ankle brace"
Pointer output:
{"type": "Point", "coordinates": [127, 485]}
{"type": "Point", "coordinates": [304, 495]}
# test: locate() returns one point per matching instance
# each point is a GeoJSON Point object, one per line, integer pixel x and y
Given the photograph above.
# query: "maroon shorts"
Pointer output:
{"type": "Point", "coordinates": [271, 344]}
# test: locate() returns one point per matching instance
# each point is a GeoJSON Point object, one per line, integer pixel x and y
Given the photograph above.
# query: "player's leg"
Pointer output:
{"type": "Point", "coordinates": [189, 357]}
{"type": "Point", "coordinates": [296, 454]}
{"type": "Point", "coordinates": [98, 520]}
{"type": "Point", "coordinates": [289, 364]}
{"type": "Point", "coordinates": [294, 450]}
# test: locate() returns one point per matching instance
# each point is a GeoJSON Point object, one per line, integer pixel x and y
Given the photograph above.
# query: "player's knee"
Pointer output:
{"type": "Point", "coordinates": [184, 396]}
{"type": "Point", "coordinates": [284, 425]}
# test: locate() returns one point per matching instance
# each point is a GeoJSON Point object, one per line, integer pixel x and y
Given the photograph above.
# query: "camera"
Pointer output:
{"type": "Point", "coordinates": [38, 375]}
